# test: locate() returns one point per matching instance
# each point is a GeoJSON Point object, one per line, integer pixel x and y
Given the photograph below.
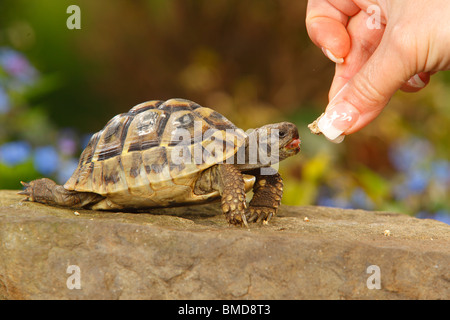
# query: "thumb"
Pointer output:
{"type": "Point", "coordinates": [365, 95]}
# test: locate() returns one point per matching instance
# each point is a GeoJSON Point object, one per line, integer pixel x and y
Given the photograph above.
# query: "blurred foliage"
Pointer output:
{"type": "Point", "coordinates": [250, 60]}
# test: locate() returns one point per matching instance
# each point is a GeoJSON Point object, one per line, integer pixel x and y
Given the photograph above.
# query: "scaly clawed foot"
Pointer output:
{"type": "Point", "coordinates": [258, 214]}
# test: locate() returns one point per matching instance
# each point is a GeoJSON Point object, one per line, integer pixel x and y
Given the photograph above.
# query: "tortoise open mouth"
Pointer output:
{"type": "Point", "coordinates": [294, 144]}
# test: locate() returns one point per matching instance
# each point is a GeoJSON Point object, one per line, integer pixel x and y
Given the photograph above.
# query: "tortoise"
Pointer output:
{"type": "Point", "coordinates": [172, 153]}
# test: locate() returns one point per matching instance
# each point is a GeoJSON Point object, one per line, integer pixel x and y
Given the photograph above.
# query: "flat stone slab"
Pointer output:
{"type": "Point", "coordinates": [192, 253]}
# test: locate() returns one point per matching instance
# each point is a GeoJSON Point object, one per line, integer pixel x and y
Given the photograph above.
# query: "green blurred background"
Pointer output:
{"type": "Point", "coordinates": [250, 60]}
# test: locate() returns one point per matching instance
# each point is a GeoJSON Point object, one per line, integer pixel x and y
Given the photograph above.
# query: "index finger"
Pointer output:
{"type": "Point", "coordinates": [326, 22]}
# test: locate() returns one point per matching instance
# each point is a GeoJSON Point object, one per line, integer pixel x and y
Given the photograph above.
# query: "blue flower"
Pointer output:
{"type": "Point", "coordinates": [406, 155]}
{"type": "Point", "coordinates": [359, 199]}
{"type": "Point", "coordinates": [46, 160]}
{"type": "Point", "coordinates": [441, 215]}
{"type": "Point", "coordinates": [13, 153]}
{"type": "Point", "coordinates": [4, 101]}
{"type": "Point", "coordinates": [85, 140]}
{"type": "Point", "coordinates": [325, 202]}
{"type": "Point", "coordinates": [417, 181]}
{"type": "Point", "coordinates": [441, 171]}
{"type": "Point", "coordinates": [335, 202]}
{"type": "Point", "coordinates": [67, 168]}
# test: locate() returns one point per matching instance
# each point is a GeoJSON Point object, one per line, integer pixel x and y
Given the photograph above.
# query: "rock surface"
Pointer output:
{"type": "Point", "coordinates": [192, 253]}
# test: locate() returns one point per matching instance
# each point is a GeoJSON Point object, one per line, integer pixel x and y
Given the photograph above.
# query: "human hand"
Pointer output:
{"type": "Point", "coordinates": [379, 46]}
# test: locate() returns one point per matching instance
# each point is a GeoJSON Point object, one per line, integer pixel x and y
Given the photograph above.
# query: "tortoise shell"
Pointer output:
{"type": "Point", "coordinates": [135, 159]}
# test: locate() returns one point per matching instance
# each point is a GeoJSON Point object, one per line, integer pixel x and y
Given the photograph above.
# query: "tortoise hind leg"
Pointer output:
{"type": "Point", "coordinates": [267, 193]}
{"type": "Point", "coordinates": [48, 192]}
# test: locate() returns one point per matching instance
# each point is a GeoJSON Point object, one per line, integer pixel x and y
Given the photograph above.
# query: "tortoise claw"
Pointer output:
{"type": "Point", "coordinates": [25, 184]}
{"type": "Point", "coordinates": [27, 191]}
{"type": "Point", "coordinates": [244, 219]}
{"type": "Point", "coordinates": [258, 214]}
{"type": "Point", "coordinates": [237, 218]}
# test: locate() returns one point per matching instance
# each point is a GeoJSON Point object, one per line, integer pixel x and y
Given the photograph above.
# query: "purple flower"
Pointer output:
{"type": "Point", "coordinates": [17, 65]}
{"type": "Point", "coordinates": [46, 160]}
{"type": "Point", "coordinates": [67, 142]}
{"type": "Point", "coordinates": [13, 153]}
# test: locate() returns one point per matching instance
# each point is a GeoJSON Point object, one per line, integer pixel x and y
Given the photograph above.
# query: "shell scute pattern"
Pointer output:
{"type": "Point", "coordinates": [133, 154]}
{"type": "Point", "coordinates": [111, 141]}
{"type": "Point", "coordinates": [144, 130]}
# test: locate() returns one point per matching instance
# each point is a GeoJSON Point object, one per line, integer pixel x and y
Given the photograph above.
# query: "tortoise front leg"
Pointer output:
{"type": "Point", "coordinates": [232, 190]}
{"type": "Point", "coordinates": [48, 192]}
{"type": "Point", "coordinates": [267, 193]}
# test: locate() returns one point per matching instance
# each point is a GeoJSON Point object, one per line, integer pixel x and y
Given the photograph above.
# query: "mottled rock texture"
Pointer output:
{"type": "Point", "coordinates": [192, 253]}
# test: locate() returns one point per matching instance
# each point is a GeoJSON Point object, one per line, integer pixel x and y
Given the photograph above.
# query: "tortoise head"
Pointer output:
{"type": "Point", "coordinates": [268, 145]}
{"type": "Point", "coordinates": [283, 137]}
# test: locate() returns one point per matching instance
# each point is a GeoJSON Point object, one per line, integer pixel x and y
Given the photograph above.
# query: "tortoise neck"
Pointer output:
{"type": "Point", "coordinates": [254, 154]}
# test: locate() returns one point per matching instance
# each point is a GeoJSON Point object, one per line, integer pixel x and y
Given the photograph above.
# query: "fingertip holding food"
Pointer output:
{"type": "Point", "coordinates": [315, 130]}
{"type": "Point", "coordinates": [335, 121]}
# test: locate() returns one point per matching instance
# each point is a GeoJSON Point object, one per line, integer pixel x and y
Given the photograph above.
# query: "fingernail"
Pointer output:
{"type": "Point", "coordinates": [336, 120]}
{"type": "Point", "coordinates": [338, 139]}
{"type": "Point", "coordinates": [331, 56]}
{"type": "Point", "coordinates": [416, 82]}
